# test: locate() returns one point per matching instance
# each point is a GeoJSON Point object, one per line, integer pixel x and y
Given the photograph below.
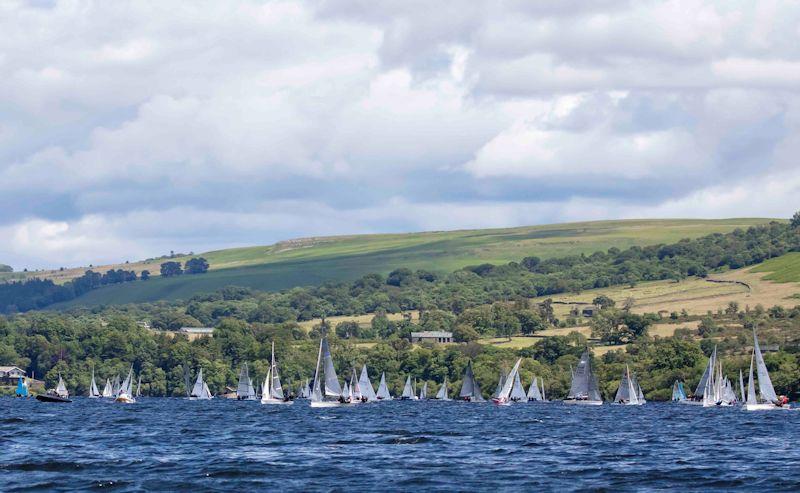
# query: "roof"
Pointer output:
{"type": "Point", "coordinates": [431, 333]}
{"type": "Point", "coordinates": [6, 369]}
{"type": "Point", "coordinates": [197, 330]}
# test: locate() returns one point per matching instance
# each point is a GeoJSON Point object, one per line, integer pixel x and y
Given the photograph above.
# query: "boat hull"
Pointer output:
{"type": "Point", "coordinates": [765, 407]}
{"type": "Point", "coordinates": [277, 402]}
{"type": "Point", "coordinates": [124, 399]}
{"type": "Point", "coordinates": [582, 402]}
{"type": "Point", "coordinates": [53, 398]}
{"type": "Point", "coordinates": [326, 404]}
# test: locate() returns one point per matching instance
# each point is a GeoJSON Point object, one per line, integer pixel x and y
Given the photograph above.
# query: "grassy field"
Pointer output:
{"type": "Point", "coordinates": [315, 260]}
{"type": "Point", "coordinates": [785, 268]}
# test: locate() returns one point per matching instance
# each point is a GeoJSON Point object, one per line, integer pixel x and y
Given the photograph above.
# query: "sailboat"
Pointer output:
{"type": "Point", "coordinates": [504, 396]}
{"type": "Point", "coordinates": [678, 392]}
{"type": "Point", "coordinates": [108, 391]}
{"type": "Point", "coordinates": [200, 390]}
{"type": "Point", "coordinates": [139, 386]}
{"type": "Point", "coordinates": [245, 390]}
{"type": "Point", "coordinates": [22, 388]}
{"type": "Point", "coordinates": [534, 395]}
{"type": "Point", "coordinates": [303, 392]}
{"type": "Point", "coordinates": [383, 390]}
{"type": "Point", "coordinates": [94, 393]}
{"type": "Point", "coordinates": [327, 392]}
{"type": "Point", "coordinates": [717, 390]}
{"type": "Point", "coordinates": [408, 391]}
{"type": "Point", "coordinates": [115, 387]}
{"type": "Point", "coordinates": [697, 397]}
{"type": "Point", "coordinates": [500, 383]}
{"type": "Point", "coordinates": [125, 394]}
{"type": "Point", "coordinates": [470, 390]}
{"type": "Point", "coordinates": [766, 400]}
{"type": "Point", "coordinates": [583, 389]}
{"type": "Point", "coordinates": [442, 394]}
{"type": "Point", "coordinates": [59, 394]}
{"type": "Point", "coordinates": [272, 390]}
{"type": "Point", "coordinates": [517, 390]}
{"type": "Point", "coordinates": [628, 393]}
{"type": "Point", "coordinates": [366, 386]}
{"type": "Point", "coordinates": [423, 393]}
{"type": "Point", "coordinates": [356, 396]}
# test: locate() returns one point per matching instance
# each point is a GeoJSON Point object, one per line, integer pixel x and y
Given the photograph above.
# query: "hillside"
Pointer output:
{"type": "Point", "coordinates": [315, 260]}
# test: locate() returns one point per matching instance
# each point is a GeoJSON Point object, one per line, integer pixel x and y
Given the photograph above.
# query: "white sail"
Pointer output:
{"type": "Point", "coordinates": [61, 388]}
{"type": "Point", "coordinates": [751, 384]}
{"type": "Point", "coordinates": [108, 391]}
{"type": "Point", "coordinates": [200, 390]}
{"type": "Point", "coordinates": [127, 385]}
{"type": "Point", "coordinates": [517, 391]}
{"type": "Point", "coordinates": [139, 386]}
{"type": "Point", "coordinates": [423, 394]}
{"type": "Point", "coordinates": [765, 388]}
{"type": "Point", "coordinates": [316, 392]}
{"type": "Point", "coordinates": [383, 389]}
{"type": "Point", "coordinates": [442, 394]}
{"type": "Point", "coordinates": [741, 387]}
{"type": "Point", "coordinates": [504, 395]}
{"type": "Point", "coordinates": [93, 391]}
{"type": "Point", "coordinates": [533, 391]}
{"type": "Point", "coordinates": [115, 387]}
{"type": "Point", "coordinates": [365, 385]}
{"type": "Point", "coordinates": [244, 389]}
{"type": "Point", "coordinates": [408, 391]}
{"type": "Point", "coordinates": [584, 389]}
{"type": "Point", "coordinates": [275, 389]}
{"type": "Point", "coordinates": [544, 397]}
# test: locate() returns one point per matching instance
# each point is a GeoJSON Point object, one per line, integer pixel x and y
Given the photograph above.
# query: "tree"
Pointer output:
{"type": "Point", "coordinates": [197, 265]}
{"type": "Point", "coordinates": [604, 302]}
{"type": "Point", "coordinates": [348, 329]}
{"type": "Point", "coordinates": [145, 275]}
{"type": "Point", "coordinates": [795, 222]}
{"type": "Point", "coordinates": [169, 269]}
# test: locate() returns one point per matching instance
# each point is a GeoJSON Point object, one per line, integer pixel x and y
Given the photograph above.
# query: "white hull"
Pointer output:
{"type": "Point", "coordinates": [688, 402]}
{"type": "Point", "coordinates": [124, 399]}
{"type": "Point", "coordinates": [765, 407]}
{"type": "Point", "coordinates": [627, 403]}
{"type": "Point", "coordinates": [277, 402]}
{"type": "Point", "coordinates": [583, 403]}
{"type": "Point", "coordinates": [200, 398]}
{"type": "Point", "coordinates": [326, 404]}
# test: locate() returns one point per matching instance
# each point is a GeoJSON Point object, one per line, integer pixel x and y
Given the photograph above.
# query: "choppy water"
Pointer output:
{"type": "Point", "coordinates": [222, 445]}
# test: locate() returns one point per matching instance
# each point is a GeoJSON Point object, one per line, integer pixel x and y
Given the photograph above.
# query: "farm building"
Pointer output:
{"type": "Point", "coordinates": [587, 311]}
{"type": "Point", "coordinates": [197, 331]}
{"type": "Point", "coordinates": [436, 336]}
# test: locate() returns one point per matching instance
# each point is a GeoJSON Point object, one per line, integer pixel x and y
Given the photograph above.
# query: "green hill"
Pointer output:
{"type": "Point", "coordinates": [785, 268]}
{"type": "Point", "coordinates": [315, 260]}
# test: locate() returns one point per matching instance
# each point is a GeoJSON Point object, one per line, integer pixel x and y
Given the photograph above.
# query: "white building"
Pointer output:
{"type": "Point", "coordinates": [436, 336]}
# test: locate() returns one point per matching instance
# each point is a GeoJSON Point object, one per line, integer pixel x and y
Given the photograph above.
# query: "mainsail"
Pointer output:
{"type": "Point", "coordinates": [741, 386]}
{"type": "Point", "coordinates": [200, 389]}
{"type": "Point", "coordinates": [61, 388]}
{"type": "Point", "coordinates": [469, 387]}
{"type": "Point", "coordinates": [517, 391]}
{"type": "Point", "coordinates": [93, 391]}
{"type": "Point", "coordinates": [678, 393]}
{"type": "Point", "coordinates": [107, 390]}
{"type": "Point", "coordinates": [504, 394]}
{"type": "Point", "coordinates": [383, 389]}
{"type": "Point", "coordinates": [442, 394]}
{"type": "Point", "coordinates": [707, 374]}
{"type": "Point", "coordinates": [533, 391]}
{"type": "Point", "coordinates": [365, 385]}
{"type": "Point", "coordinates": [423, 394]}
{"type": "Point", "coordinates": [764, 383]}
{"type": "Point", "coordinates": [408, 391]}
{"type": "Point", "coordinates": [115, 387]}
{"type": "Point", "coordinates": [500, 383]}
{"type": "Point", "coordinates": [127, 385]}
{"type": "Point", "coordinates": [584, 382]}
{"type": "Point", "coordinates": [332, 387]}
{"type": "Point", "coordinates": [244, 390]}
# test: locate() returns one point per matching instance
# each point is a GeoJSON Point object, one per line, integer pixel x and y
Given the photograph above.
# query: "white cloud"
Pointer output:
{"type": "Point", "coordinates": [251, 121]}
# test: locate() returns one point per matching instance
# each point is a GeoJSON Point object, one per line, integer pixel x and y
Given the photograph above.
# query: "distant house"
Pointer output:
{"type": "Point", "coordinates": [143, 324]}
{"type": "Point", "coordinates": [10, 374]}
{"type": "Point", "coordinates": [197, 331]}
{"type": "Point", "coordinates": [436, 336]}
{"type": "Point", "coordinates": [589, 311]}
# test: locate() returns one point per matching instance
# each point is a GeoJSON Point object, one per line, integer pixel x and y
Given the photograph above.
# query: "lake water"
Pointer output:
{"type": "Point", "coordinates": [222, 445]}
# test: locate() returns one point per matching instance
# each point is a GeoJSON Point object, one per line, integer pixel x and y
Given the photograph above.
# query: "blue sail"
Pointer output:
{"type": "Point", "coordinates": [22, 388]}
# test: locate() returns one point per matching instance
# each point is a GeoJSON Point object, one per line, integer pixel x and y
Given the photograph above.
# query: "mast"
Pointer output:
{"type": "Point", "coordinates": [316, 393]}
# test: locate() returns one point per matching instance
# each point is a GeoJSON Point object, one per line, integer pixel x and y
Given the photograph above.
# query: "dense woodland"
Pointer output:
{"type": "Point", "coordinates": [485, 300]}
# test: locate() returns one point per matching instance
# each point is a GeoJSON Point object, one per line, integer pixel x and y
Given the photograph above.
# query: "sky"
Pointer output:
{"type": "Point", "coordinates": [129, 129]}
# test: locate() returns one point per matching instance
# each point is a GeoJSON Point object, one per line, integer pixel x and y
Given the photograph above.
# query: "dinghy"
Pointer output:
{"type": "Point", "coordinates": [470, 391]}
{"type": "Point", "coordinates": [383, 390]}
{"type": "Point", "coordinates": [697, 397]}
{"type": "Point", "coordinates": [423, 394]}
{"type": "Point", "coordinates": [356, 397]}
{"type": "Point", "coordinates": [718, 390]}
{"type": "Point", "coordinates": [94, 393]}
{"type": "Point", "coordinates": [22, 388]}
{"type": "Point", "coordinates": [367, 392]}
{"type": "Point", "coordinates": [501, 381]}
{"type": "Point", "coordinates": [584, 390]}
{"type": "Point", "coordinates": [272, 389]}
{"type": "Point", "coordinates": [408, 391]}
{"type": "Point", "coordinates": [442, 394]}
{"type": "Point", "coordinates": [327, 392]}
{"type": "Point", "coordinates": [200, 390]}
{"type": "Point", "coordinates": [534, 395]}
{"type": "Point", "coordinates": [628, 393]}
{"type": "Point", "coordinates": [125, 394]}
{"type": "Point", "coordinates": [678, 392]}
{"type": "Point", "coordinates": [517, 391]}
{"type": "Point", "coordinates": [504, 396]}
{"type": "Point", "coordinates": [766, 400]}
{"type": "Point", "coordinates": [108, 391]}
{"type": "Point", "coordinates": [244, 389]}
{"type": "Point", "coordinates": [59, 395]}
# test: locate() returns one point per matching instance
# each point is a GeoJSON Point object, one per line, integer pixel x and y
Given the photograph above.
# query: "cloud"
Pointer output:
{"type": "Point", "coordinates": [131, 129]}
